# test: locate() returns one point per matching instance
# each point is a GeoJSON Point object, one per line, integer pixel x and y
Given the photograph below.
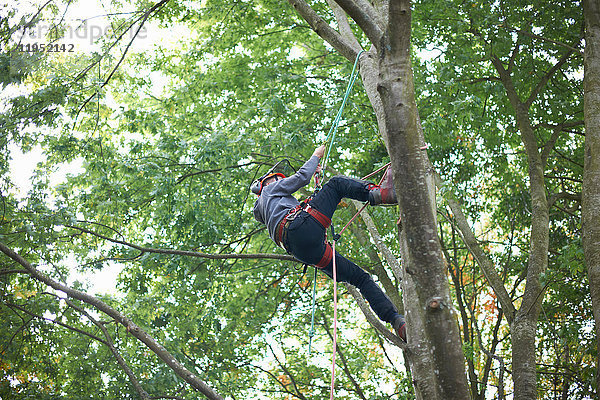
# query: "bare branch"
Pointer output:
{"type": "Point", "coordinates": [72, 328]}
{"type": "Point", "coordinates": [188, 253]}
{"type": "Point", "coordinates": [289, 374]}
{"type": "Point", "coordinates": [398, 28]}
{"type": "Point", "coordinates": [343, 360]}
{"type": "Point", "coordinates": [363, 13]}
{"type": "Point", "coordinates": [143, 19]}
{"type": "Point", "coordinates": [534, 36]}
{"type": "Point", "coordinates": [484, 262]}
{"type": "Point", "coordinates": [513, 56]}
{"type": "Point", "coordinates": [208, 171]}
{"type": "Point", "coordinates": [563, 178]}
{"type": "Point", "coordinates": [556, 131]}
{"type": "Point", "coordinates": [323, 29]}
{"type": "Point", "coordinates": [16, 332]}
{"type": "Point", "coordinates": [275, 378]}
{"type": "Point", "coordinates": [489, 353]}
{"type": "Point", "coordinates": [536, 91]}
{"type": "Point", "coordinates": [131, 327]}
{"type": "Point", "coordinates": [373, 320]}
{"type": "Point", "coordinates": [109, 343]}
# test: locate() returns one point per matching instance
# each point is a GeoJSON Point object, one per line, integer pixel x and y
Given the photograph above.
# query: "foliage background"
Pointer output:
{"type": "Point", "coordinates": [163, 146]}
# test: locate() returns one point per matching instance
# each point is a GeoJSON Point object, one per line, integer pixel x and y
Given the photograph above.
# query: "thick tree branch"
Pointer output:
{"type": "Point", "coordinates": [323, 29]}
{"type": "Point", "coordinates": [343, 24]}
{"type": "Point", "coordinates": [373, 320]}
{"type": "Point", "coordinates": [12, 271]}
{"type": "Point", "coordinates": [525, 320]}
{"type": "Point", "coordinates": [363, 13]}
{"type": "Point", "coordinates": [131, 327]}
{"type": "Point", "coordinates": [390, 259]}
{"type": "Point", "coordinates": [507, 82]}
{"type": "Point", "coordinates": [388, 285]}
{"type": "Point", "coordinates": [563, 195]}
{"type": "Point", "coordinates": [484, 262]}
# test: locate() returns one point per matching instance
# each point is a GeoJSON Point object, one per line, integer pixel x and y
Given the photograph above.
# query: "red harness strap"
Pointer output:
{"type": "Point", "coordinates": [327, 256]}
{"type": "Point", "coordinates": [318, 215]}
{"type": "Point", "coordinates": [285, 221]}
{"type": "Point", "coordinates": [325, 221]}
{"type": "Point", "coordinates": [321, 218]}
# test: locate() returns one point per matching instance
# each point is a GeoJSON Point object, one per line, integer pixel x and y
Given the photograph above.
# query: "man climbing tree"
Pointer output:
{"type": "Point", "coordinates": [437, 359]}
{"type": "Point", "coordinates": [300, 227]}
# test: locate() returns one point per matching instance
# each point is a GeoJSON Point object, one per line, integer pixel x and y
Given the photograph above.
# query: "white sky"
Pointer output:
{"type": "Point", "coordinates": [86, 21]}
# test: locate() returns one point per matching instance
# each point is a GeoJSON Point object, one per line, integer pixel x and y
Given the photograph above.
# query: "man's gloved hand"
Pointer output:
{"type": "Point", "coordinates": [320, 151]}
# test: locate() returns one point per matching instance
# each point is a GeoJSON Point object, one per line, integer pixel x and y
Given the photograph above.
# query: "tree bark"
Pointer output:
{"type": "Point", "coordinates": [591, 170]}
{"type": "Point", "coordinates": [524, 325]}
{"type": "Point", "coordinates": [434, 349]}
{"type": "Point", "coordinates": [439, 367]}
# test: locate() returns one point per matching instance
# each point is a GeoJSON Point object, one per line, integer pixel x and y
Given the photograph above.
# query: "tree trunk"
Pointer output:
{"type": "Point", "coordinates": [435, 350]}
{"type": "Point", "coordinates": [524, 326]}
{"type": "Point", "coordinates": [438, 362]}
{"type": "Point", "coordinates": [591, 170]}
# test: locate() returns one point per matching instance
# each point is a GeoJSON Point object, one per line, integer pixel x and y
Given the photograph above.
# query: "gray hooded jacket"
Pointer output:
{"type": "Point", "coordinates": [276, 199]}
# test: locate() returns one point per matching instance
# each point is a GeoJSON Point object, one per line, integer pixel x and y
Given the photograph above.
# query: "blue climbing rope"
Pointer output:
{"type": "Point", "coordinates": [330, 138]}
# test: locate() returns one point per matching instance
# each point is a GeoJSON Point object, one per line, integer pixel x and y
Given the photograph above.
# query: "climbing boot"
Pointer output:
{"type": "Point", "coordinates": [400, 327]}
{"type": "Point", "coordinates": [384, 193]}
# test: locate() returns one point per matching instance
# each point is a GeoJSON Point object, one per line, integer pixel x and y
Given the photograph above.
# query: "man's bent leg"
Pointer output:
{"type": "Point", "coordinates": [337, 188]}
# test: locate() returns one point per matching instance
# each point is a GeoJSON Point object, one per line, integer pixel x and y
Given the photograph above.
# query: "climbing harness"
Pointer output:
{"type": "Point", "coordinates": [282, 228]}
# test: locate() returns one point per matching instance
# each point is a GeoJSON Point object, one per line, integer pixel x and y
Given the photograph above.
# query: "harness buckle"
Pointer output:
{"type": "Point", "coordinates": [293, 213]}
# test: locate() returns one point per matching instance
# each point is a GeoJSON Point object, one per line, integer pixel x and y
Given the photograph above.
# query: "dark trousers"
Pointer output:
{"type": "Point", "coordinates": [306, 242]}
